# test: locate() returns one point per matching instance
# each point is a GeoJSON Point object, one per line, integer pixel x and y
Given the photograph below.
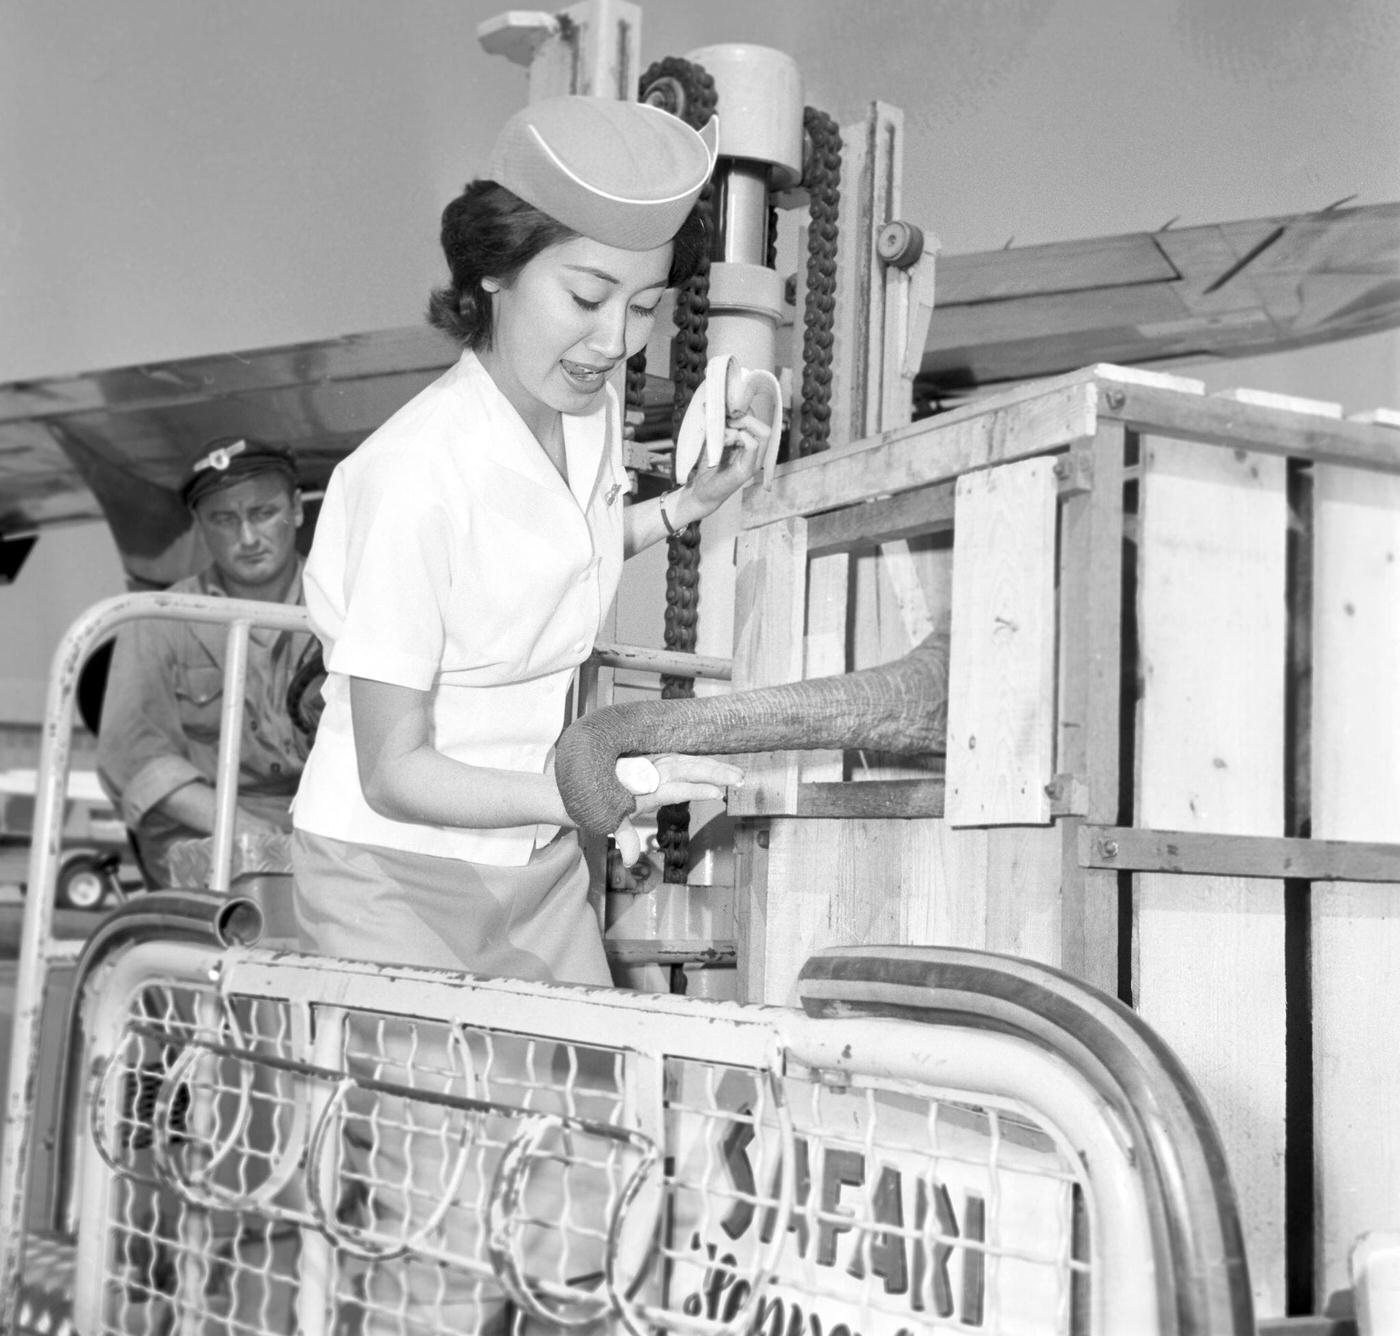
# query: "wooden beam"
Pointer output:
{"type": "Point", "coordinates": [864, 526]}
{"type": "Point", "coordinates": [769, 604]}
{"type": "Point", "coordinates": [1210, 950]}
{"type": "Point", "coordinates": [1206, 854]}
{"type": "Point", "coordinates": [909, 798]}
{"type": "Point", "coordinates": [1001, 679]}
{"type": "Point", "coordinates": [1266, 428]}
{"type": "Point", "coordinates": [1354, 928]}
{"type": "Point", "coordinates": [1090, 718]}
{"type": "Point", "coordinates": [933, 450]}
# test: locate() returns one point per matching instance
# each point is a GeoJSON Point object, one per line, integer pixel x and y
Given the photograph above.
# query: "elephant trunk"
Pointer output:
{"type": "Point", "coordinates": [899, 707]}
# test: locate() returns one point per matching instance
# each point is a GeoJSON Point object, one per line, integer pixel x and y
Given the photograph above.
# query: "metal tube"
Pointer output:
{"type": "Point", "coordinates": [741, 212]}
{"type": "Point", "coordinates": [671, 662]}
{"type": "Point", "coordinates": [188, 916]}
{"type": "Point", "coordinates": [230, 747]}
{"type": "Point", "coordinates": [37, 949]}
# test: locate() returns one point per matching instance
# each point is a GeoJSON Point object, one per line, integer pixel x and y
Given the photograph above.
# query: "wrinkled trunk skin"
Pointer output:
{"type": "Point", "coordinates": [899, 707]}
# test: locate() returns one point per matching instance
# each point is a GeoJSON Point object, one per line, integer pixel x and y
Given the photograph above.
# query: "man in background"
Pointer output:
{"type": "Point", "coordinates": [159, 740]}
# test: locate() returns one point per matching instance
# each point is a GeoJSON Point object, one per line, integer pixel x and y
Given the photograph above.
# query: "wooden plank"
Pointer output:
{"type": "Point", "coordinates": [876, 798]}
{"type": "Point", "coordinates": [893, 601]}
{"type": "Point", "coordinates": [866, 881]}
{"type": "Point", "coordinates": [1210, 950]}
{"type": "Point", "coordinates": [1264, 428]}
{"type": "Point", "coordinates": [751, 840]}
{"type": "Point", "coordinates": [1001, 689]}
{"type": "Point", "coordinates": [1128, 849]}
{"type": "Point", "coordinates": [830, 605]}
{"type": "Point", "coordinates": [800, 487]}
{"type": "Point", "coordinates": [1291, 402]}
{"type": "Point", "coordinates": [901, 570]}
{"type": "Point", "coordinates": [1355, 929]}
{"type": "Point", "coordinates": [1022, 895]}
{"type": "Point", "coordinates": [1090, 707]}
{"type": "Point", "coordinates": [933, 450]}
{"type": "Point", "coordinates": [769, 603]}
{"type": "Point", "coordinates": [828, 613]}
{"type": "Point", "coordinates": [870, 523]}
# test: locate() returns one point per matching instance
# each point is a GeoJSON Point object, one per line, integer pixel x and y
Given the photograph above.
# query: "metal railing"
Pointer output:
{"type": "Point", "coordinates": [284, 1143]}
{"type": "Point", "coordinates": [273, 1142]}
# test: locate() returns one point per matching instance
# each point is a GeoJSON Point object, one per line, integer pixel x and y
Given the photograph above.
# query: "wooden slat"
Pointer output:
{"type": "Point", "coordinates": [1291, 403]}
{"type": "Point", "coordinates": [933, 450]}
{"type": "Point", "coordinates": [859, 527]}
{"type": "Point", "coordinates": [1002, 671]}
{"type": "Point", "coordinates": [1355, 955]}
{"type": "Point", "coordinates": [834, 881]}
{"type": "Point", "coordinates": [901, 592]}
{"type": "Point", "coordinates": [1031, 418]}
{"type": "Point", "coordinates": [880, 797]}
{"type": "Point", "coordinates": [904, 882]}
{"type": "Point", "coordinates": [828, 611]}
{"type": "Point", "coordinates": [1130, 850]}
{"type": "Point", "coordinates": [769, 601]}
{"type": "Point", "coordinates": [1023, 900]}
{"type": "Point", "coordinates": [1210, 950]}
{"type": "Point", "coordinates": [1260, 427]}
{"type": "Point", "coordinates": [1090, 707]}
{"type": "Point", "coordinates": [901, 569]}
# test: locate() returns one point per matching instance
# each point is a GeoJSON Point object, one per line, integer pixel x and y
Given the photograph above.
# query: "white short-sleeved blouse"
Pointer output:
{"type": "Point", "coordinates": [451, 556]}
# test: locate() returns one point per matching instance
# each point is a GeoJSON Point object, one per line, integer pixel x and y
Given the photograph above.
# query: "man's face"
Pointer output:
{"type": "Point", "coordinates": [250, 529]}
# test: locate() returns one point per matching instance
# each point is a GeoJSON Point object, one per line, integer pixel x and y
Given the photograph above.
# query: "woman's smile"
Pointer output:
{"type": "Point", "coordinates": [566, 322]}
{"type": "Point", "coordinates": [587, 377]}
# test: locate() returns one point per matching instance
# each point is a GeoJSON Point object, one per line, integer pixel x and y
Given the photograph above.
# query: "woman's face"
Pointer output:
{"type": "Point", "coordinates": [567, 320]}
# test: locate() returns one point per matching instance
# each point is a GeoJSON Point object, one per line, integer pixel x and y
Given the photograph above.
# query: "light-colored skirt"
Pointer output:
{"type": "Point", "coordinates": [365, 902]}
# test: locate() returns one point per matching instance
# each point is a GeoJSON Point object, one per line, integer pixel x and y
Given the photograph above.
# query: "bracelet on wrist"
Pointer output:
{"type": "Point", "coordinates": [665, 518]}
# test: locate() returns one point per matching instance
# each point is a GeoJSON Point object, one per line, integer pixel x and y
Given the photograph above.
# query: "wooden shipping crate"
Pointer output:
{"type": "Point", "coordinates": [1173, 747]}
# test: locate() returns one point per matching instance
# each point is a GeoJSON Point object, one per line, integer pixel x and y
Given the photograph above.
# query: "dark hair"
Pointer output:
{"type": "Point", "coordinates": [490, 232]}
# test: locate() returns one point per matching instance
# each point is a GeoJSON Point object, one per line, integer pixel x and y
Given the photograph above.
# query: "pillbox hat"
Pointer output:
{"type": "Point", "coordinates": [623, 173]}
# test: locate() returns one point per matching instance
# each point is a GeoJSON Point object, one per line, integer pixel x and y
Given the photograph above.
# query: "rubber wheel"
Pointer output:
{"type": "Point", "coordinates": [83, 882]}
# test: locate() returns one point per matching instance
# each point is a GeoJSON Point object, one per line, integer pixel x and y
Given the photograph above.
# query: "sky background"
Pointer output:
{"type": "Point", "coordinates": [196, 176]}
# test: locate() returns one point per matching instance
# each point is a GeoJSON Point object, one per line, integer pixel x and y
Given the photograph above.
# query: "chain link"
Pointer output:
{"type": "Point", "coordinates": [822, 177]}
{"type": "Point", "coordinates": [688, 91]}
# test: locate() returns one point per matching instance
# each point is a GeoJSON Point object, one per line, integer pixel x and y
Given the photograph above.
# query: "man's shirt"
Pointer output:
{"type": "Point", "coordinates": [161, 713]}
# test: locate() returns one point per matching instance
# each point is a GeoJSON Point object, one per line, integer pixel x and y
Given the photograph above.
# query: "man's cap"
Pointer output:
{"type": "Point", "coordinates": [231, 459]}
{"type": "Point", "coordinates": [623, 173]}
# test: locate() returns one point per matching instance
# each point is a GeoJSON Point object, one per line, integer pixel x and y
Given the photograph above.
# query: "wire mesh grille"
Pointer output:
{"type": "Point", "coordinates": [271, 1165]}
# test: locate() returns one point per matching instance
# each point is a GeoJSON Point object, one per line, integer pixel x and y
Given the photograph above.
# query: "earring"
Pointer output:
{"type": "Point", "coordinates": [490, 285]}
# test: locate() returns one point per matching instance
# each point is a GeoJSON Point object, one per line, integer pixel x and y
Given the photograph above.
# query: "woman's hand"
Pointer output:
{"type": "Point", "coordinates": [660, 781]}
{"type": "Point", "coordinates": [745, 440]}
{"type": "Point", "coordinates": [747, 436]}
